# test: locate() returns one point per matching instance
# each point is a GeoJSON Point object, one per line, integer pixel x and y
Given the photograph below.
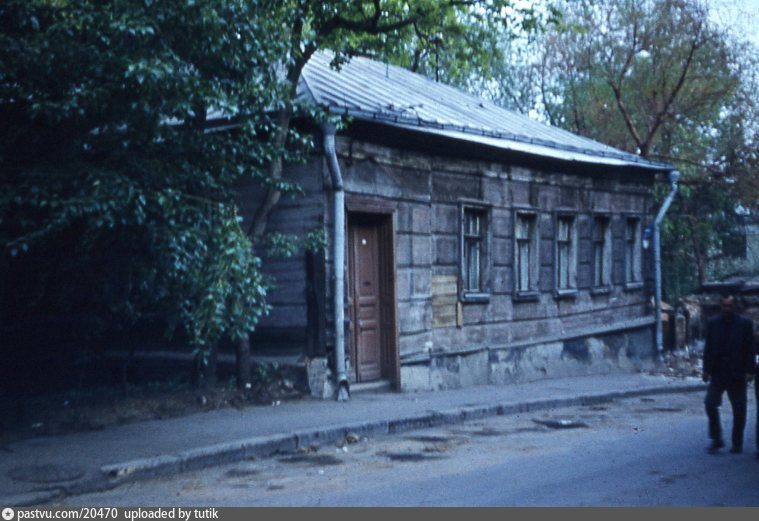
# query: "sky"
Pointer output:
{"type": "Point", "coordinates": [742, 15]}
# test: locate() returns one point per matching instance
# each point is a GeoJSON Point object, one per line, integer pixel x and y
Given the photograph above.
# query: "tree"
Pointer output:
{"type": "Point", "coordinates": [657, 78]}
{"type": "Point", "coordinates": [116, 197]}
{"type": "Point", "coordinates": [410, 33]}
{"type": "Point", "coordinates": [110, 166]}
{"type": "Point", "coordinates": [457, 36]}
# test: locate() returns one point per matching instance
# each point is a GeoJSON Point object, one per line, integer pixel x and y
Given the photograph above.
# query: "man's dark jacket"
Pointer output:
{"type": "Point", "coordinates": [729, 351]}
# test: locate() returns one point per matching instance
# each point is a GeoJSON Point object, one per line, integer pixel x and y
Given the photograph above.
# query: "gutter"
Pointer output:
{"type": "Point", "coordinates": [338, 257]}
{"type": "Point", "coordinates": [674, 176]}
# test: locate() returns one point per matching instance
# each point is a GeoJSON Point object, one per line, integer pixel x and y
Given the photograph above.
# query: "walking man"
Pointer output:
{"type": "Point", "coordinates": [728, 366]}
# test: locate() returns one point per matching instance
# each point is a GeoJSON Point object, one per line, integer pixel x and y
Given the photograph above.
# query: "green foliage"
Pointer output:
{"type": "Point", "coordinates": [107, 151]}
{"type": "Point", "coordinates": [453, 42]}
{"type": "Point", "coordinates": [286, 245]}
{"type": "Point", "coordinates": [125, 126]}
{"type": "Point", "coordinates": [656, 78]}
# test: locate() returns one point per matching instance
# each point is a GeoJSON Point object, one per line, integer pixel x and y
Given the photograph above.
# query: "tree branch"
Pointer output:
{"type": "Point", "coordinates": [372, 24]}
{"type": "Point", "coordinates": [626, 116]}
{"type": "Point", "coordinates": [659, 118]}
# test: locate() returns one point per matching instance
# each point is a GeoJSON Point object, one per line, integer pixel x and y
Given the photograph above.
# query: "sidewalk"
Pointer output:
{"type": "Point", "coordinates": [38, 470]}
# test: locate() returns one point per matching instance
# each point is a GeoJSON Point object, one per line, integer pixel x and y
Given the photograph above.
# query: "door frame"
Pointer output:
{"type": "Point", "coordinates": [386, 213]}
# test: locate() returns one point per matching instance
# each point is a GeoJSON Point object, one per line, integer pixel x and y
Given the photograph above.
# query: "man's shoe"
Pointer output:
{"type": "Point", "coordinates": [736, 450]}
{"type": "Point", "coordinates": [715, 446]}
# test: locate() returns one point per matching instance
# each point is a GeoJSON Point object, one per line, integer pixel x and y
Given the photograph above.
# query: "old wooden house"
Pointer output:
{"type": "Point", "coordinates": [467, 244]}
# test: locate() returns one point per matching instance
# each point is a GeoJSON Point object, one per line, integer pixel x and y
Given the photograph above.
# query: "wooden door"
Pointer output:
{"type": "Point", "coordinates": [366, 300]}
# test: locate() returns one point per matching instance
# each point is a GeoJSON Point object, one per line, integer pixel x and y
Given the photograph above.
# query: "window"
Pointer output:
{"type": "Point", "coordinates": [632, 251]}
{"type": "Point", "coordinates": [474, 253]}
{"type": "Point", "coordinates": [525, 253]}
{"type": "Point", "coordinates": [601, 252]}
{"type": "Point", "coordinates": [565, 253]}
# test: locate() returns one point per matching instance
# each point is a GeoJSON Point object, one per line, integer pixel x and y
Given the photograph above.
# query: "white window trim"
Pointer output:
{"type": "Point", "coordinates": [483, 294]}
{"type": "Point", "coordinates": [571, 289]}
{"type": "Point", "coordinates": [637, 253]}
{"type": "Point", "coordinates": [533, 292]}
{"type": "Point", "coordinates": [606, 258]}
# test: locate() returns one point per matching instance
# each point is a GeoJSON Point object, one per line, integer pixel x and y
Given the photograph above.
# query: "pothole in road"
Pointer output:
{"type": "Point", "coordinates": [241, 473]}
{"type": "Point", "coordinates": [430, 439]}
{"type": "Point", "coordinates": [486, 431]}
{"type": "Point", "coordinates": [661, 409]}
{"type": "Point", "coordinates": [408, 456]}
{"type": "Point", "coordinates": [520, 430]}
{"type": "Point", "coordinates": [316, 460]}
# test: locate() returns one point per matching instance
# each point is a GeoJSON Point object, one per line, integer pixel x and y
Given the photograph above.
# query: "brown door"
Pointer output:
{"type": "Point", "coordinates": [365, 266]}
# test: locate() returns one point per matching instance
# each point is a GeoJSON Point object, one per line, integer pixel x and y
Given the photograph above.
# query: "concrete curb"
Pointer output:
{"type": "Point", "coordinates": [112, 475]}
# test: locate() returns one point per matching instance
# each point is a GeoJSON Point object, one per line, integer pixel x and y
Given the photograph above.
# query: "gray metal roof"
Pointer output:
{"type": "Point", "coordinates": [373, 91]}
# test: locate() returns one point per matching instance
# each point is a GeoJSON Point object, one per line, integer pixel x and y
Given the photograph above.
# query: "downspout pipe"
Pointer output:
{"type": "Point", "coordinates": [338, 258]}
{"type": "Point", "coordinates": [674, 176]}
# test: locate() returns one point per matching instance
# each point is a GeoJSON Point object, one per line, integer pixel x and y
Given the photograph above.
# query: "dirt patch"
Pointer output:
{"type": "Point", "coordinates": [99, 408]}
{"type": "Point", "coordinates": [46, 474]}
{"type": "Point", "coordinates": [681, 363]}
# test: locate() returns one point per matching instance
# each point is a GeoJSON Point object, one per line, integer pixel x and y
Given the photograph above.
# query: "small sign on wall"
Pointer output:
{"type": "Point", "coordinates": [444, 300]}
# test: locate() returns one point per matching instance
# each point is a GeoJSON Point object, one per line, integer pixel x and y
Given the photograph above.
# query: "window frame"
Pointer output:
{"type": "Point", "coordinates": [571, 289]}
{"type": "Point", "coordinates": [482, 294]}
{"type": "Point", "coordinates": [607, 256]}
{"type": "Point", "coordinates": [637, 252]}
{"type": "Point", "coordinates": [533, 290]}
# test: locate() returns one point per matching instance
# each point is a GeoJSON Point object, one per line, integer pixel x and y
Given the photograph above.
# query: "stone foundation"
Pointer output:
{"type": "Point", "coordinates": [616, 352]}
{"type": "Point", "coordinates": [320, 378]}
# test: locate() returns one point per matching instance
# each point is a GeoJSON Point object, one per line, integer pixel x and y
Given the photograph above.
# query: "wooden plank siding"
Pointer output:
{"type": "Point", "coordinates": [285, 328]}
{"type": "Point", "coordinates": [428, 190]}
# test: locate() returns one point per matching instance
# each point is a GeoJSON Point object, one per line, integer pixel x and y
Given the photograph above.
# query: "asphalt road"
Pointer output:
{"type": "Point", "coordinates": [637, 452]}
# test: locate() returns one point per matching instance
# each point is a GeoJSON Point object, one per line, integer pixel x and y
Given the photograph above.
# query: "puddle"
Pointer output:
{"type": "Point", "coordinates": [527, 429]}
{"type": "Point", "coordinates": [241, 473]}
{"type": "Point", "coordinates": [316, 460]}
{"type": "Point", "coordinates": [408, 456]}
{"type": "Point", "coordinates": [433, 449]}
{"type": "Point", "coordinates": [430, 439]}
{"type": "Point", "coordinates": [487, 431]}
{"type": "Point", "coordinates": [562, 424]}
{"type": "Point", "coordinates": [660, 409]}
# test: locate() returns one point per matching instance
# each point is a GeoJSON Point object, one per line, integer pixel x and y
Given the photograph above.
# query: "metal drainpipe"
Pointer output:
{"type": "Point", "coordinates": [674, 176]}
{"type": "Point", "coordinates": [338, 256]}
